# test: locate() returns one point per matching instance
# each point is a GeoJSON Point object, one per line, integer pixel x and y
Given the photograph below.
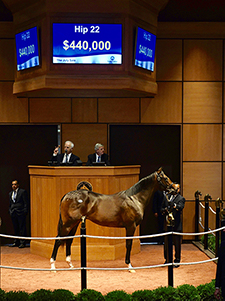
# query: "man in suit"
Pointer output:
{"type": "Point", "coordinates": [220, 273]}
{"type": "Point", "coordinates": [18, 209]}
{"type": "Point", "coordinates": [66, 158]}
{"type": "Point", "coordinates": [98, 156]}
{"type": "Point", "coordinates": [172, 207]}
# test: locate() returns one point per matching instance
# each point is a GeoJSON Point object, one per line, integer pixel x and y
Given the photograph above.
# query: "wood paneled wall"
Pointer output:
{"type": "Point", "coordinates": [198, 60]}
{"type": "Point", "coordinates": [190, 75]}
{"type": "Point", "coordinates": [161, 109]}
{"type": "Point", "coordinates": [202, 60]}
{"type": "Point", "coordinates": [202, 102]}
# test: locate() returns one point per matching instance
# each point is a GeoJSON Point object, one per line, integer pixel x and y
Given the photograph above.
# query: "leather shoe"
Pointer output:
{"type": "Point", "coordinates": [13, 245]}
{"type": "Point", "coordinates": [21, 246]}
{"type": "Point", "coordinates": [176, 261]}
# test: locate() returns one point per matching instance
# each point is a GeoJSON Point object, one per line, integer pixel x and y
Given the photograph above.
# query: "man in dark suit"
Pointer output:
{"type": "Point", "coordinates": [172, 207]}
{"type": "Point", "coordinates": [66, 158]}
{"type": "Point", "coordinates": [220, 273]}
{"type": "Point", "coordinates": [98, 156]}
{"type": "Point", "coordinates": [18, 209]}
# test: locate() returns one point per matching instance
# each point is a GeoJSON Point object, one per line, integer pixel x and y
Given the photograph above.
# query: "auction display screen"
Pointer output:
{"type": "Point", "coordinates": [87, 43]}
{"type": "Point", "coordinates": [27, 50]}
{"type": "Point", "coordinates": [145, 49]}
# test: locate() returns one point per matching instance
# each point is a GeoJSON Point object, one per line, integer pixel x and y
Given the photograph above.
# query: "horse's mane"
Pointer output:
{"type": "Point", "coordinates": [141, 185]}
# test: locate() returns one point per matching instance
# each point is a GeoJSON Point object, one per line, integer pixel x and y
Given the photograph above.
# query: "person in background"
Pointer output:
{"type": "Point", "coordinates": [172, 207]}
{"type": "Point", "coordinates": [98, 156]}
{"type": "Point", "coordinates": [156, 207]}
{"type": "Point", "coordinates": [220, 273]}
{"type": "Point", "coordinates": [67, 157]}
{"type": "Point", "coordinates": [18, 209]}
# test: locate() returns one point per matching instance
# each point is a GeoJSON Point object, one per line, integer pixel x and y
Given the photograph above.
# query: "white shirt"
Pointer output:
{"type": "Point", "coordinates": [97, 158]}
{"type": "Point", "coordinates": [68, 158]}
{"type": "Point", "coordinates": [14, 194]}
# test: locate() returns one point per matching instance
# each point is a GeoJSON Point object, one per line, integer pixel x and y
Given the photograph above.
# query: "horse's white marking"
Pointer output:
{"type": "Point", "coordinates": [131, 270]}
{"type": "Point", "coordinates": [80, 201]}
{"type": "Point", "coordinates": [69, 261]}
{"type": "Point", "coordinates": [52, 261]}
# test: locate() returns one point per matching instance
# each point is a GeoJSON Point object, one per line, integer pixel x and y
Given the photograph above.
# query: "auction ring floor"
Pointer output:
{"type": "Point", "coordinates": [103, 281]}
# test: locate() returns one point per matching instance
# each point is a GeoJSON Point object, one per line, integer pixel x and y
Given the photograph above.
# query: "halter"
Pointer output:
{"type": "Point", "coordinates": [161, 183]}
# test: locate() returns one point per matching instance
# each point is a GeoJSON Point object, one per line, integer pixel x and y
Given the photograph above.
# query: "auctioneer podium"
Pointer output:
{"type": "Point", "coordinates": [49, 184]}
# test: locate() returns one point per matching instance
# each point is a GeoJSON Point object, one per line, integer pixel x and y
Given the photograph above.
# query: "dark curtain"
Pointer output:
{"type": "Point", "coordinates": [150, 146]}
{"type": "Point", "coordinates": [20, 146]}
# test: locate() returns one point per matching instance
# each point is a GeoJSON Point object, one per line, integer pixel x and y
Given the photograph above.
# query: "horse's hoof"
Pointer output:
{"type": "Point", "coordinates": [69, 262]}
{"type": "Point", "coordinates": [131, 270]}
{"type": "Point", "coordinates": [52, 262]}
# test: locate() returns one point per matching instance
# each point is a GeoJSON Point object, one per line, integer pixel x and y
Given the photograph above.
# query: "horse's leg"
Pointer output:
{"type": "Point", "coordinates": [54, 253]}
{"type": "Point", "coordinates": [68, 246]}
{"type": "Point", "coordinates": [129, 232]}
{"type": "Point", "coordinates": [62, 231]}
{"type": "Point", "coordinates": [57, 242]}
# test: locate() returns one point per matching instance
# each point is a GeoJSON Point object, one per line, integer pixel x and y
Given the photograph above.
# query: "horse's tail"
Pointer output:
{"type": "Point", "coordinates": [60, 224]}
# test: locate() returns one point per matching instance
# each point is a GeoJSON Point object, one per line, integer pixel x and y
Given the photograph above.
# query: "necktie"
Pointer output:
{"type": "Point", "coordinates": [99, 158]}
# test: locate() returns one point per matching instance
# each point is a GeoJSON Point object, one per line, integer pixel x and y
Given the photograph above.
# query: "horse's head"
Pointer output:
{"type": "Point", "coordinates": [165, 182]}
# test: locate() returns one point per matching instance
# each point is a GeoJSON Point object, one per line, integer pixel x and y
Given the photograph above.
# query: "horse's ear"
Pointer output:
{"type": "Point", "coordinates": [159, 170]}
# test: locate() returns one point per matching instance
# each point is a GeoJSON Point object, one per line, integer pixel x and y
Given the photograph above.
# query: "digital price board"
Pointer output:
{"type": "Point", "coordinates": [87, 43]}
{"type": "Point", "coordinates": [27, 49]}
{"type": "Point", "coordinates": [145, 49]}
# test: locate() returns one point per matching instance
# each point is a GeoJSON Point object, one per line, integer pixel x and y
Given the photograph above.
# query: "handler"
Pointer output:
{"type": "Point", "coordinates": [172, 207]}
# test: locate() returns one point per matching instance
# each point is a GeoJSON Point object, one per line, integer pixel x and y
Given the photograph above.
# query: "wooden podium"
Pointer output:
{"type": "Point", "coordinates": [49, 184]}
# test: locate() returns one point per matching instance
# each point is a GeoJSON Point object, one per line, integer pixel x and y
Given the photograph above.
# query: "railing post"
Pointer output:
{"type": "Point", "coordinates": [222, 217]}
{"type": "Point", "coordinates": [0, 253]}
{"type": "Point", "coordinates": [206, 228]}
{"type": "Point", "coordinates": [83, 254]}
{"type": "Point", "coordinates": [197, 194]}
{"type": "Point", "coordinates": [218, 201]}
{"type": "Point", "coordinates": [169, 241]}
